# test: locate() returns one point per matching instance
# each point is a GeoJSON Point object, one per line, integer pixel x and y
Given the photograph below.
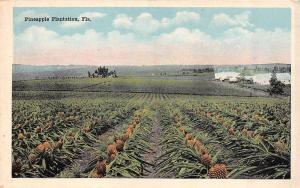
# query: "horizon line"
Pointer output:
{"type": "Point", "coordinates": [152, 65]}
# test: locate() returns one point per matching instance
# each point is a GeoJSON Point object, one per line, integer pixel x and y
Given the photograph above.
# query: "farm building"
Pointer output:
{"type": "Point", "coordinates": [262, 78]}
{"type": "Point", "coordinates": [224, 76]}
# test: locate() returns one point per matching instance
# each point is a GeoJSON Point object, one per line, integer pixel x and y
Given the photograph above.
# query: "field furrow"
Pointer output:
{"type": "Point", "coordinates": [149, 135]}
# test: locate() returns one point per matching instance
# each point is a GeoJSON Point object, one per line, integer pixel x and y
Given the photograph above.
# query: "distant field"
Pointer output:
{"type": "Point", "coordinates": [56, 84]}
{"type": "Point", "coordinates": [134, 85]}
{"type": "Point", "coordinates": [264, 88]}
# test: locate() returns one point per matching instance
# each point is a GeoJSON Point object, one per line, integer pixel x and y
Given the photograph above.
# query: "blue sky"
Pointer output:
{"type": "Point", "coordinates": [266, 18]}
{"type": "Point", "coordinates": [211, 30]}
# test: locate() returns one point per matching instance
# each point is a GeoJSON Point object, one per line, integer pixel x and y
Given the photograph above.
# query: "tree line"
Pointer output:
{"type": "Point", "coordinates": [200, 70]}
{"type": "Point", "coordinates": [102, 72]}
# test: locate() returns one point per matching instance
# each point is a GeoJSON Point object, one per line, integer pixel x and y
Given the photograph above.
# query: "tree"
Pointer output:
{"type": "Point", "coordinates": [105, 72]}
{"type": "Point", "coordinates": [276, 86]}
{"type": "Point", "coordinates": [102, 72]}
{"type": "Point", "coordinates": [99, 71]}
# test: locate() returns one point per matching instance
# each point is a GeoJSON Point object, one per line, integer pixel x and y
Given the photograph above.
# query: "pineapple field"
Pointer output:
{"type": "Point", "coordinates": [149, 135]}
{"type": "Point", "coordinates": [150, 90]}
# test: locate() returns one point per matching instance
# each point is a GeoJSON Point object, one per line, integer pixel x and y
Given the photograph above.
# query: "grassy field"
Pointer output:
{"type": "Point", "coordinates": [264, 88]}
{"type": "Point", "coordinates": [147, 128]}
{"type": "Point", "coordinates": [135, 85]}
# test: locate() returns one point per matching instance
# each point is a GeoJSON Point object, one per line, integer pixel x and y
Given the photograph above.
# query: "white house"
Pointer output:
{"type": "Point", "coordinates": [262, 78]}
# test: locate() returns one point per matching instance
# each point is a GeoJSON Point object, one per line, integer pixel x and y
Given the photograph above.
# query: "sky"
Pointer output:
{"type": "Point", "coordinates": [153, 36]}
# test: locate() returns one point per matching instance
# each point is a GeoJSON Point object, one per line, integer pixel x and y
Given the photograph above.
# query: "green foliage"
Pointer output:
{"type": "Point", "coordinates": [264, 154]}
{"type": "Point", "coordinates": [173, 85]}
{"type": "Point", "coordinates": [276, 86]}
{"type": "Point", "coordinates": [102, 72]}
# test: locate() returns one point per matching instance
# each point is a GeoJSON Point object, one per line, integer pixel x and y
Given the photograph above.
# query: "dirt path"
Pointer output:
{"type": "Point", "coordinates": [251, 91]}
{"type": "Point", "coordinates": [82, 162]}
{"type": "Point", "coordinates": [93, 85]}
{"type": "Point", "coordinates": [152, 157]}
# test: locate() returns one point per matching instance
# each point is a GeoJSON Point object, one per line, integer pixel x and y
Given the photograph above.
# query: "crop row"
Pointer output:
{"type": "Point", "coordinates": [46, 140]}
{"type": "Point", "coordinates": [256, 151]}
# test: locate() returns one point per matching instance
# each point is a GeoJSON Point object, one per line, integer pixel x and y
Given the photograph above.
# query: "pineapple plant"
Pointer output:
{"type": "Point", "coordinates": [29, 135]}
{"type": "Point", "coordinates": [181, 130]}
{"type": "Point", "coordinates": [231, 131]}
{"type": "Point", "coordinates": [131, 126]}
{"type": "Point", "coordinates": [137, 120]}
{"type": "Point", "coordinates": [258, 137]}
{"type": "Point", "coordinates": [200, 148]}
{"type": "Point", "coordinates": [279, 146]}
{"type": "Point", "coordinates": [38, 129]}
{"type": "Point", "coordinates": [17, 166]}
{"type": "Point", "coordinates": [94, 174]}
{"type": "Point", "coordinates": [18, 126]}
{"type": "Point", "coordinates": [40, 149]}
{"type": "Point", "coordinates": [125, 137]}
{"type": "Point", "coordinates": [112, 157]}
{"type": "Point", "coordinates": [119, 145]}
{"type": "Point", "coordinates": [101, 167]}
{"type": "Point", "coordinates": [111, 149]}
{"type": "Point", "coordinates": [47, 145]}
{"type": "Point", "coordinates": [218, 171]}
{"type": "Point", "coordinates": [31, 158]}
{"type": "Point", "coordinates": [249, 134]}
{"type": "Point", "coordinates": [129, 131]}
{"type": "Point", "coordinates": [206, 159]}
{"type": "Point", "coordinates": [191, 142]}
{"type": "Point", "coordinates": [21, 136]}
{"type": "Point", "coordinates": [59, 144]}
{"type": "Point", "coordinates": [244, 131]}
{"type": "Point", "coordinates": [188, 137]}
{"type": "Point", "coordinates": [245, 117]}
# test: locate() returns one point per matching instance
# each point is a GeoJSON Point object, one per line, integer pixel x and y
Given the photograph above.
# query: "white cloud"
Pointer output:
{"type": "Point", "coordinates": [38, 45]}
{"type": "Point", "coordinates": [90, 38]}
{"type": "Point", "coordinates": [236, 46]}
{"type": "Point", "coordinates": [35, 36]}
{"type": "Point", "coordinates": [122, 21]}
{"type": "Point", "coordinates": [237, 33]}
{"type": "Point", "coordinates": [184, 35]}
{"type": "Point", "coordinates": [91, 15]}
{"type": "Point", "coordinates": [258, 46]}
{"type": "Point", "coordinates": [146, 24]}
{"type": "Point", "coordinates": [241, 20]}
{"type": "Point", "coordinates": [116, 37]}
{"type": "Point", "coordinates": [185, 16]}
{"type": "Point", "coordinates": [72, 24]}
{"type": "Point", "coordinates": [181, 17]}
{"type": "Point", "coordinates": [37, 39]}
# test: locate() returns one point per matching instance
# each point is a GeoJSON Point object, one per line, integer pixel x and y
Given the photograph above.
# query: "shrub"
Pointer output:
{"type": "Point", "coordinates": [276, 86]}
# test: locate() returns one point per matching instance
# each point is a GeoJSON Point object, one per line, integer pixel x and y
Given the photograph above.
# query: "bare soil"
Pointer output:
{"type": "Point", "coordinates": [152, 157]}
{"type": "Point", "coordinates": [82, 162]}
